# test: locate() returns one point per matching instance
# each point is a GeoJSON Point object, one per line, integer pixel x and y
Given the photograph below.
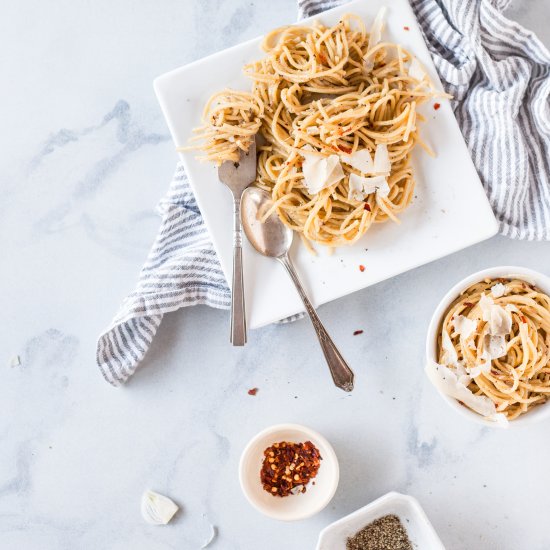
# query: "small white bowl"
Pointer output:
{"type": "Point", "coordinates": [419, 529]}
{"type": "Point", "coordinates": [292, 507]}
{"type": "Point", "coordinates": [528, 275]}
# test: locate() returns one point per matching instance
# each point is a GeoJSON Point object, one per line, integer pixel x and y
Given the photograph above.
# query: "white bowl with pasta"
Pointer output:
{"type": "Point", "coordinates": [517, 300]}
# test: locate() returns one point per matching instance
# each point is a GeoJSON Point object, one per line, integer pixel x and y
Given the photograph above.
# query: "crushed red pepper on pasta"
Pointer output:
{"type": "Point", "coordinates": [345, 149]}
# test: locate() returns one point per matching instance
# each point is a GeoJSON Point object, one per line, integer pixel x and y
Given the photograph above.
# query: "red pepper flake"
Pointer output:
{"type": "Point", "coordinates": [288, 467]}
{"type": "Point", "coordinates": [367, 207]}
{"type": "Point", "coordinates": [523, 319]}
{"type": "Point", "coordinates": [323, 59]}
{"type": "Point", "coordinates": [357, 332]}
{"type": "Point", "coordinates": [361, 268]}
{"type": "Point", "coordinates": [252, 391]}
{"type": "Point", "coordinates": [468, 304]}
{"type": "Point", "coordinates": [437, 105]}
{"type": "Point", "coordinates": [346, 150]}
{"type": "Point", "coordinates": [407, 28]}
{"type": "Point", "coordinates": [339, 131]}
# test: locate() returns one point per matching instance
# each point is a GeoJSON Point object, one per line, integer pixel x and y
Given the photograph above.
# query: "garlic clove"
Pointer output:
{"type": "Point", "coordinates": [157, 509]}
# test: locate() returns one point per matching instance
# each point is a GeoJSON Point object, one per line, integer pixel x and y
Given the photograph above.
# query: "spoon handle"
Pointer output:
{"type": "Point", "coordinates": [339, 369]}
{"type": "Point", "coordinates": [238, 317]}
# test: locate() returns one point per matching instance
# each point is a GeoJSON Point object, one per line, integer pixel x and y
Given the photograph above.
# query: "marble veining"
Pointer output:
{"type": "Point", "coordinates": [128, 137]}
{"type": "Point", "coordinates": [87, 157]}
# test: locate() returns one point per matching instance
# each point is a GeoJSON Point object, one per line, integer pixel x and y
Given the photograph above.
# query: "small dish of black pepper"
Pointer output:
{"type": "Point", "coordinates": [385, 533]}
{"type": "Point", "coordinates": [391, 522]}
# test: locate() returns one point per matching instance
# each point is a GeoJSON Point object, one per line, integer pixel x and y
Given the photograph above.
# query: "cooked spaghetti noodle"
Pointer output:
{"type": "Point", "coordinates": [325, 91]}
{"type": "Point", "coordinates": [497, 335]}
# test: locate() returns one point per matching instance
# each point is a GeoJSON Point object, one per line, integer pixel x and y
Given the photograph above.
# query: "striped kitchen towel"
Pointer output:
{"type": "Point", "coordinates": [499, 76]}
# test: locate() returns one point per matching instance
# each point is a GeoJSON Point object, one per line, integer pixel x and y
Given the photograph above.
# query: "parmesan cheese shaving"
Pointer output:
{"type": "Point", "coordinates": [360, 187]}
{"type": "Point", "coordinates": [464, 327]}
{"type": "Point", "coordinates": [511, 308]}
{"type": "Point", "coordinates": [495, 346]}
{"type": "Point", "coordinates": [462, 374]}
{"type": "Point", "coordinates": [374, 38]}
{"type": "Point", "coordinates": [475, 371]}
{"type": "Point", "coordinates": [319, 171]}
{"type": "Point", "coordinates": [486, 365]}
{"type": "Point", "coordinates": [450, 356]}
{"type": "Point", "coordinates": [384, 189]}
{"type": "Point", "coordinates": [498, 318]}
{"type": "Point", "coordinates": [382, 164]}
{"type": "Point", "coordinates": [360, 160]}
{"type": "Point", "coordinates": [447, 382]}
{"type": "Point", "coordinates": [416, 70]}
{"type": "Point", "coordinates": [498, 290]}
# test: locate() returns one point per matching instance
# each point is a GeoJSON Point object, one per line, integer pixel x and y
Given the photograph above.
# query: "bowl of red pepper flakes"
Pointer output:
{"type": "Point", "coordinates": [289, 472]}
{"type": "Point", "coordinates": [296, 461]}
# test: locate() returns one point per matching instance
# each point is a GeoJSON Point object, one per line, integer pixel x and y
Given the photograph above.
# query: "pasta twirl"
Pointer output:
{"type": "Point", "coordinates": [330, 93]}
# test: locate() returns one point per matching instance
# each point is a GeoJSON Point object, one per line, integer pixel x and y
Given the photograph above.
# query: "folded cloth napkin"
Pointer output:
{"type": "Point", "coordinates": [499, 76]}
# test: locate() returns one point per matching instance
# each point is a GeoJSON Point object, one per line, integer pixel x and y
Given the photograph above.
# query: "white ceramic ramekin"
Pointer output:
{"type": "Point", "coordinates": [292, 507]}
{"type": "Point", "coordinates": [528, 275]}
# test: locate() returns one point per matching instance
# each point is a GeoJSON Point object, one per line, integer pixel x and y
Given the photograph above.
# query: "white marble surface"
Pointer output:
{"type": "Point", "coordinates": [86, 156]}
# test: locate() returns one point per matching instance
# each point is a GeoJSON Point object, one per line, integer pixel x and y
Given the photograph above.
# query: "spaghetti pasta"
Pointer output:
{"type": "Point", "coordinates": [496, 337]}
{"type": "Point", "coordinates": [322, 95]}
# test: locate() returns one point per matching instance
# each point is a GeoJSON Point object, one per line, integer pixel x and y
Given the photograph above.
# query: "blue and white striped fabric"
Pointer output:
{"type": "Point", "coordinates": [499, 75]}
{"type": "Point", "coordinates": [182, 270]}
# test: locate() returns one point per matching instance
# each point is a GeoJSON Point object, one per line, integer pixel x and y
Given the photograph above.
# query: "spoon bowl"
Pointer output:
{"type": "Point", "coordinates": [270, 237]}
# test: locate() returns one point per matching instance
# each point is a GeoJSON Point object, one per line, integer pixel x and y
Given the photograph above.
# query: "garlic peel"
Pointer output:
{"type": "Point", "coordinates": [210, 540]}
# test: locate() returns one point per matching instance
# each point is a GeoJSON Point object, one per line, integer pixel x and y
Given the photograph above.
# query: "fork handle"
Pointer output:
{"type": "Point", "coordinates": [238, 316]}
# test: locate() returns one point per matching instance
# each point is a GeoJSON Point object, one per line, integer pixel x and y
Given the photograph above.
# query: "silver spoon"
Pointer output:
{"type": "Point", "coordinates": [273, 238]}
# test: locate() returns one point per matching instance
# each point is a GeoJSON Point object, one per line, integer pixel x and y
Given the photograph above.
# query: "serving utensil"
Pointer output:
{"type": "Point", "coordinates": [238, 176]}
{"type": "Point", "coordinates": [273, 238]}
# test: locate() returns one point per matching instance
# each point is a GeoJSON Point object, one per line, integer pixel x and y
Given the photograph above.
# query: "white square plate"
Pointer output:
{"type": "Point", "coordinates": [450, 210]}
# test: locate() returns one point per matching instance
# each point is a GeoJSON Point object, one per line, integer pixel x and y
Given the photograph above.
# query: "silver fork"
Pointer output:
{"type": "Point", "coordinates": [238, 176]}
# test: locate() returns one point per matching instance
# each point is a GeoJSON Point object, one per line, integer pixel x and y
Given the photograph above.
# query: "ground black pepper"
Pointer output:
{"type": "Point", "coordinates": [385, 533]}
